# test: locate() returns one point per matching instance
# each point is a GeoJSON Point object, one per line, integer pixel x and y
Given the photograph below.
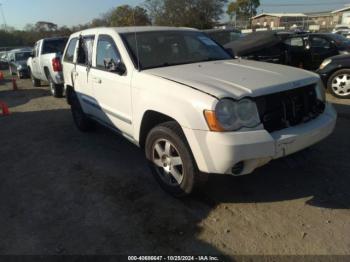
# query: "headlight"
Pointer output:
{"type": "Point", "coordinates": [344, 52]}
{"type": "Point", "coordinates": [232, 115]}
{"type": "Point", "coordinates": [20, 67]}
{"type": "Point", "coordinates": [321, 92]}
{"type": "Point", "coordinates": [325, 63]}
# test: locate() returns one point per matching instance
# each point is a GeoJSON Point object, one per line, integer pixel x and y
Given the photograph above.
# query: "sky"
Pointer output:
{"type": "Point", "coordinates": [18, 13]}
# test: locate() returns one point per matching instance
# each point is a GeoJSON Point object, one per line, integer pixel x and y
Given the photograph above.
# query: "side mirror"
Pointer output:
{"type": "Point", "coordinates": [116, 67]}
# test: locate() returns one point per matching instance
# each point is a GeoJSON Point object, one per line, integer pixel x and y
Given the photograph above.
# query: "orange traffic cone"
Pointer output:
{"type": "Point", "coordinates": [14, 84]}
{"type": "Point", "coordinates": [5, 109]}
{"type": "Point", "coordinates": [1, 76]}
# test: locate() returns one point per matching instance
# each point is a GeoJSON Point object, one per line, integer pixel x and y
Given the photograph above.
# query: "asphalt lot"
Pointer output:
{"type": "Point", "coordinates": [63, 192]}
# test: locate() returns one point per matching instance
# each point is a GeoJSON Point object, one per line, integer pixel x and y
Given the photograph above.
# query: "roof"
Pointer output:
{"type": "Point", "coordinates": [280, 15]}
{"type": "Point", "coordinates": [136, 29]}
{"type": "Point", "coordinates": [341, 10]}
{"type": "Point", "coordinates": [318, 14]}
{"type": "Point", "coordinates": [21, 50]}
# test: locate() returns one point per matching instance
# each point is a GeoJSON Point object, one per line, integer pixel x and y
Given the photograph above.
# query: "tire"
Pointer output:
{"type": "Point", "coordinates": [81, 120]}
{"type": "Point", "coordinates": [56, 90]}
{"type": "Point", "coordinates": [35, 82]}
{"type": "Point", "coordinates": [166, 145]}
{"type": "Point", "coordinates": [339, 84]}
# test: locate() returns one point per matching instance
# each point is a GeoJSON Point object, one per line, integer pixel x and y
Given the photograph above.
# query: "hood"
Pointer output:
{"type": "Point", "coordinates": [340, 57]}
{"type": "Point", "coordinates": [236, 78]}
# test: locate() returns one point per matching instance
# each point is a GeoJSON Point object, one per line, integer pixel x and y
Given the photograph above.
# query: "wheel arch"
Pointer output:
{"type": "Point", "coordinates": [69, 92]}
{"type": "Point", "coordinates": [150, 120]}
{"type": "Point", "coordinates": [47, 73]}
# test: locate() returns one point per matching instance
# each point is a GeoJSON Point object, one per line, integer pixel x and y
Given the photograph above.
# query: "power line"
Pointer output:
{"type": "Point", "coordinates": [3, 16]}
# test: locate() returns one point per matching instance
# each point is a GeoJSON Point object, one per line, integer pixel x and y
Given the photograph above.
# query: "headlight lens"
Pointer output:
{"type": "Point", "coordinates": [325, 63]}
{"type": "Point", "coordinates": [19, 67]}
{"type": "Point", "coordinates": [233, 115]}
{"type": "Point", "coordinates": [344, 52]}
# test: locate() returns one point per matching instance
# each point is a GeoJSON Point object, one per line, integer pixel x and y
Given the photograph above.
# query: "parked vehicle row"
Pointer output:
{"type": "Point", "coordinates": [307, 51]}
{"type": "Point", "coordinates": [194, 109]}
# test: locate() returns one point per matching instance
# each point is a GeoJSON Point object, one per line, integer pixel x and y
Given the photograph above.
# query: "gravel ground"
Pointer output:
{"type": "Point", "coordinates": [63, 192]}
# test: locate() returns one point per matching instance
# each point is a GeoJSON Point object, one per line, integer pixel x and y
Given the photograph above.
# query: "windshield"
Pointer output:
{"type": "Point", "coordinates": [22, 56]}
{"type": "Point", "coordinates": [224, 37]}
{"type": "Point", "coordinates": [54, 46]}
{"type": "Point", "coordinates": [167, 48]}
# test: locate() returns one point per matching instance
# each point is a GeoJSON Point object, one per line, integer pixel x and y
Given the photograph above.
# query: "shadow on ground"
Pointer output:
{"type": "Point", "coordinates": [21, 96]}
{"type": "Point", "coordinates": [63, 192]}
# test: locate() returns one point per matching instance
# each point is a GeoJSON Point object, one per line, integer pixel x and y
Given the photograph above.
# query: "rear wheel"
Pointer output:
{"type": "Point", "coordinates": [35, 82]}
{"type": "Point", "coordinates": [81, 120]}
{"type": "Point", "coordinates": [339, 84]}
{"type": "Point", "coordinates": [171, 160]}
{"type": "Point", "coordinates": [56, 90]}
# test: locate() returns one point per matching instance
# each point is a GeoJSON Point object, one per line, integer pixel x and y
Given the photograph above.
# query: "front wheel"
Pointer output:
{"type": "Point", "coordinates": [339, 84]}
{"type": "Point", "coordinates": [171, 160]}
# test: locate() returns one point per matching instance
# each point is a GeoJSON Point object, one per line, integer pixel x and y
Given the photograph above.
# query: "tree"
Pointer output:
{"type": "Point", "coordinates": [191, 13]}
{"type": "Point", "coordinates": [42, 26]}
{"type": "Point", "coordinates": [243, 10]}
{"type": "Point", "coordinates": [126, 15]}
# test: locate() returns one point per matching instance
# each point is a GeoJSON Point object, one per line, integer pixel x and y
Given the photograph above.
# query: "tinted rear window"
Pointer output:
{"type": "Point", "coordinates": [54, 46]}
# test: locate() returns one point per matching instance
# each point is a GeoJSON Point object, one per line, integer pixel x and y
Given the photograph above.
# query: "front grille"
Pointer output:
{"type": "Point", "coordinates": [290, 108]}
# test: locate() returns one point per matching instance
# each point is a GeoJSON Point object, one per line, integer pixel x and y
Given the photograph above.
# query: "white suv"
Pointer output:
{"type": "Point", "coordinates": [190, 106]}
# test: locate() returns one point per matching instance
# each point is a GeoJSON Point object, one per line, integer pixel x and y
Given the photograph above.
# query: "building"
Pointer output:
{"type": "Point", "coordinates": [342, 16]}
{"type": "Point", "coordinates": [322, 21]}
{"type": "Point", "coordinates": [274, 20]}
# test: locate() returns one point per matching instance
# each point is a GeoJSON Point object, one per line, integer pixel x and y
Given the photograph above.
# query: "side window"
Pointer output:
{"type": "Point", "coordinates": [85, 49]}
{"type": "Point", "coordinates": [295, 42]}
{"type": "Point", "coordinates": [69, 56]}
{"type": "Point", "coordinates": [318, 42]}
{"type": "Point", "coordinates": [107, 53]}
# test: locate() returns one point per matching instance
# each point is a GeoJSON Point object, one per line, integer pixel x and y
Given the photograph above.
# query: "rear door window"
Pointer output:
{"type": "Point", "coordinates": [319, 42]}
{"type": "Point", "coordinates": [69, 56]}
{"type": "Point", "coordinates": [85, 50]}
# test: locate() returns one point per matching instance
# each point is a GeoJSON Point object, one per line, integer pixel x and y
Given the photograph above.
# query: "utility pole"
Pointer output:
{"type": "Point", "coordinates": [3, 16]}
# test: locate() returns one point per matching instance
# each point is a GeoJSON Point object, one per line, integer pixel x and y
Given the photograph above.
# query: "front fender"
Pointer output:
{"type": "Point", "coordinates": [180, 102]}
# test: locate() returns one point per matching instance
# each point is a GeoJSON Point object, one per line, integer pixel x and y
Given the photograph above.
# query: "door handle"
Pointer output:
{"type": "Point", "coordinates": [97, 80]}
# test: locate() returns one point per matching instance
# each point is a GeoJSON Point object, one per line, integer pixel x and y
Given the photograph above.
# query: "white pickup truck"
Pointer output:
{"type": "Point", "coordinates": [192, 107]}
{"type": "Point", "coordinates": [45, 64]}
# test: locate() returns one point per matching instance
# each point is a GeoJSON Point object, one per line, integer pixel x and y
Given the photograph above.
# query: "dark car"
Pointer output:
{"type": "Point", "coordinates": [18, 62]}
{"type": "Point", "coordinates": [223, 36]}
{"type": "Point", "coordinates": [3, 61]}
{"type": "Point", "coordinates": [303, 50]}
{"type": "Point", "coordinates": [335, 73]}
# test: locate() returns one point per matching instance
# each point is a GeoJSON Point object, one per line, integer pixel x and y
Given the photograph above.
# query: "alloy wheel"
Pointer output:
{"type": "Point", "coordinates": [341, 85]}
{"type": "Point", "coordinates": [168, 162]}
